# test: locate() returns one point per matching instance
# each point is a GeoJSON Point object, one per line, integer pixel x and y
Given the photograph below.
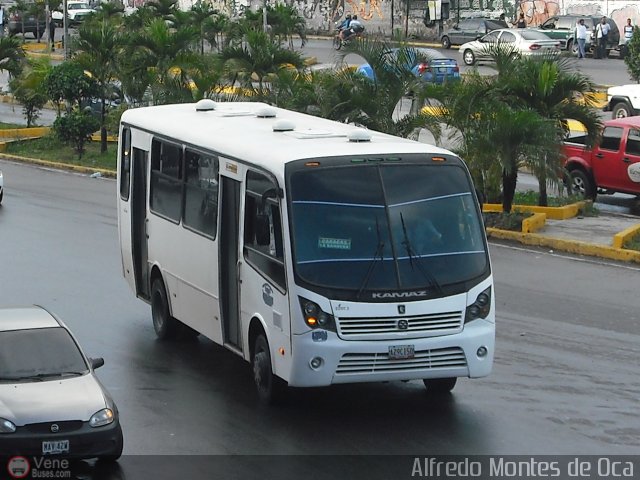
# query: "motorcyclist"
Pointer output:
{"type": "Point", "coordinates": [355, 27]}
{"type": "Point", "coordinates": [345, 23]}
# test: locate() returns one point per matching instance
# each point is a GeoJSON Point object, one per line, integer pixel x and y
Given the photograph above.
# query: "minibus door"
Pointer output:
{"type": "Point", "coordinates": [139, 236]}
{"type": "Point", "coordinates": [229, 281]}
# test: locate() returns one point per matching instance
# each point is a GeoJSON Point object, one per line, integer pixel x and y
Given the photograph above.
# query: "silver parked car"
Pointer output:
{"type": "Point", "coordinates": [51, 402]}
{"type": "Point", "coordinates": [523, 41]}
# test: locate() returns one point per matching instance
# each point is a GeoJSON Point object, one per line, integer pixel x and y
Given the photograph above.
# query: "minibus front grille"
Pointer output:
{"type": "Point", "coordinates": [363, 328]}
{"type": "Point", "coordinates": [435, 359]}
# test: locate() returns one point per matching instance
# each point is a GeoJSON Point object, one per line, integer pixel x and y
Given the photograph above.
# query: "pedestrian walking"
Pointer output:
{"type": "Point", "coordinates": [2, 20]}
{"type": "Point", "coordinates": [52, 32]}
{"type": "Point", "coordinates": [521, 23]}
{"type": "Point", "coordinates": [602, 35]}
{"type": "Point", "coordinates": [581, 37]}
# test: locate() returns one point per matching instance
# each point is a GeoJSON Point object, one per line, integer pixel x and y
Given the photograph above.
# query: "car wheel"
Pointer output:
{"type": "Point", "coordinates": [165, 326]}
{"type": "Point", "coordinates": [439, 385]}
{"type": "Point", "coordinates": [117, 451]}
{"type": "Point", "coordinates": [337, 42]}
{"type": "Point", "coordinates": [446, 42]}
{"type": "Point", "coordinates": [468, 57]}
{"type": "Point", "coordinates": [621, 110]}
{"type": "Point", "coordinates": [271, 389]}
{"type": "Point", "coordinates": [581, 184]}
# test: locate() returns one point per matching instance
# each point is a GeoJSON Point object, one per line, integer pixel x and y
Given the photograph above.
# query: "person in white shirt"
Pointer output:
{"type": "Point", "coordinates": [581, 37]}
{"type": "Point", "coordinates": [602, 34]}
{"type": "Point", "coordinates": [628, 34]}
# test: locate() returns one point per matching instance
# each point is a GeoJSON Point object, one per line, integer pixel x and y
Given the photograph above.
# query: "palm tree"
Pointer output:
{"type": "Point", "coordinates": [200, 12]}
{"type": "Point", "coordinates": [11, 55]}
{"type": "Point", "coordinates": [553, 89]}
{"type": "Point", "coordinates": [285, 21]}
{"type": "Point", "coordinates": [98, 44]}
{"type": "Point", "coordinates": [167, 52]}
{"type": "Point", "coordinates": [373, 102]}
{"type": "Point", "coordinates": [258, 56]}
{"type": "Point", "coordinates": [493, 136]}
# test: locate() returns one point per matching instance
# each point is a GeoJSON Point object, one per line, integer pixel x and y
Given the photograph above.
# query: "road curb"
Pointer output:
{"type": "Point", "coordinates": [570, 246]}
{"type": "Point", "coordinates": [104, 172]}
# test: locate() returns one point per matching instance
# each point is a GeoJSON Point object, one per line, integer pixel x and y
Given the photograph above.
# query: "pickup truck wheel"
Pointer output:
{"type": "Point", "coordinates": [621, 110]}
{"type": "Point", "coordinates": [581, 184]}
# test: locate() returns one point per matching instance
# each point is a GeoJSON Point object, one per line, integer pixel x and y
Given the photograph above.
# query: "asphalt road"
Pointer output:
{"type": "Point", "coordinates": [565, 379]}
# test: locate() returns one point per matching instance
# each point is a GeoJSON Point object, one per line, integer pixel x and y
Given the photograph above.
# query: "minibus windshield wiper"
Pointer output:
{"type": "Point", "coordinates": [415, 260]}
{"type": "Point", "coordinates": [378, 255]}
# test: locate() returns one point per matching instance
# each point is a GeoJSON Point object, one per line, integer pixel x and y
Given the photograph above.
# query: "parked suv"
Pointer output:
{"type": "Point", "coordinates": [470, 29]}
{"type": "Point", "coordinates": [563, 29]}
{"type": "Point", "coordinates": [23, 22]}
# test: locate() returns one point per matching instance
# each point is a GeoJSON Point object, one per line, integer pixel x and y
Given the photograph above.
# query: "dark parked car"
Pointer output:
{"type": "Point", "coordinates": [563, 29]}
{"type": "Point", "coordinates": [470, 29]}
{"type": "Point", "coordinates": [21, 22]}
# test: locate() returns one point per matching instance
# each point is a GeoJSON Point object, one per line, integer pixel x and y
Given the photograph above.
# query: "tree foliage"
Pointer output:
{"type": "Point", "coordinates": [69, 84]}
{"type": "Point", "coordinates": [632, 55]}
{"type": "Point", "coordinates": [27, 88]}
{"type": "Point", "coordinates": [76, 128]}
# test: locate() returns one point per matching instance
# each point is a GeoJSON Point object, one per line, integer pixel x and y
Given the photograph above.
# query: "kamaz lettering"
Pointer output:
{"type": "Point", "coordinates": [420, 293]}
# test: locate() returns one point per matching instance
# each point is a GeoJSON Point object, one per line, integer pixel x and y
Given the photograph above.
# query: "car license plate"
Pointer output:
{"type": "Point", "coordinates": [55, 447]}
{"type": "Point", "coordinates": [443, 69]}
{"type": "Point", "coordinates": [401, 352]}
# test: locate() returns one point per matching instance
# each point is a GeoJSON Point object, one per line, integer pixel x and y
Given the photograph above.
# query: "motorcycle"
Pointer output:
{"type": "Point", "coordinates": [338, 42]}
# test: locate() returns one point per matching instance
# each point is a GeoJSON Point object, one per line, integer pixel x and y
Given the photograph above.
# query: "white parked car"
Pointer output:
{"type": "Point", "coordinates": [522, 40]}
{"type": "Point", "coordinates": [76, 13]}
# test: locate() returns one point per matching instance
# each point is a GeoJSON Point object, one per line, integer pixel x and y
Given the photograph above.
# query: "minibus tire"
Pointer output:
{"type": "Point", "coordinates": [164, 324]}
{"type": "Point", "coordinates": [270, 389]}
{"type": "Point", "coordinates": [440, 385]}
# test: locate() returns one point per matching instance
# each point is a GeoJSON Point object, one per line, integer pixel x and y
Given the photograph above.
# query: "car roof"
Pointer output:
{"type": "Point", "coordinates": [25, 318]}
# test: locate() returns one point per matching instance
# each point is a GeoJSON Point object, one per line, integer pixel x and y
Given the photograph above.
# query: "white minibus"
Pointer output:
{"type": "Point", "coordinates": [319, 252]}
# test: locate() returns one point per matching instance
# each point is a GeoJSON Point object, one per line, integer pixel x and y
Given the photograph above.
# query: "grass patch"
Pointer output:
{"type": "Point", "coordinates": [530, 197]}
{"type": "Point", "coordinates": [52, 149]}
{"type": "Point", "coordinates": [633, 243]}
{"type": "Point", "coordinates": [6, 126]}
{"type": "Point", "coordinates": [506, 221]}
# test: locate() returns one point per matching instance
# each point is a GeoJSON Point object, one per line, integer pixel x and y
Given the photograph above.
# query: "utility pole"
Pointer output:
{"type": "Point", "coordinates": [264, 16]}
{"type": "Point", "coordinates": [65, 37]}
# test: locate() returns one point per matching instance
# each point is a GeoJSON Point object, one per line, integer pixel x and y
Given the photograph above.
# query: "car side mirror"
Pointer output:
{"type": "Point", "coordinates": [96, 362]}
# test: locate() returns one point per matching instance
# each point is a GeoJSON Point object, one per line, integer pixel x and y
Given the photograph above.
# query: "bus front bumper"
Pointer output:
{"type": "Point", "coordinates": [340, 361]}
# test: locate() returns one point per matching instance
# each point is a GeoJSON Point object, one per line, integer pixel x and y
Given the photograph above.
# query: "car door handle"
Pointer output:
{"type": "Point", "coordinates": [626, 160]}
{"type": "Point", "coordinates": [146, 228]}
{"type": "Point", "coordinates": [599, 155]}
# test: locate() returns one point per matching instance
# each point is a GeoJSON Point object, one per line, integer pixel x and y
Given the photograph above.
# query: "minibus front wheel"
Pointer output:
{"type": "Point", "coordinates": [271, 389]}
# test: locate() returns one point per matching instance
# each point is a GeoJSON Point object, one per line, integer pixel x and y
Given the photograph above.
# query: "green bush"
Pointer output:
{"type": "Point", "coordinates": [76, 128]}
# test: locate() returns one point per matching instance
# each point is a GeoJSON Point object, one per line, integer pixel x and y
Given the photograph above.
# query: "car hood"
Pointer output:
{"type": "Point", "coordinates": [631, 90]}
{"type": "Point", "coordinates": [76, 398]}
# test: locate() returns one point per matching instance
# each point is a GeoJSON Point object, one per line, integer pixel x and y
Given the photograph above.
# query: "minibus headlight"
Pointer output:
{"type": "Point", "coordinates": [6, 426]}
{"type": "Point", "coordinates": [480, 308]}
{"type": "Point", "coordinates": [315, 317]}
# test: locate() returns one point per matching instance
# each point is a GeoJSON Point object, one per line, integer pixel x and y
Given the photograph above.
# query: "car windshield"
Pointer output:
{"type": "Point", "coordinates": [78, 6]}
{"type": "Point", "coordinates": [386, 227]}
{"type": "Point", "coordinates": [39, 353]}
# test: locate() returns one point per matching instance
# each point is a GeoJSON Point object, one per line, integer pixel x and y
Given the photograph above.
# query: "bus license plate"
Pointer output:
{"type": "Point", "coordinates": [55, 447]}
{"type": "Point", "coordinates": [401, 352]}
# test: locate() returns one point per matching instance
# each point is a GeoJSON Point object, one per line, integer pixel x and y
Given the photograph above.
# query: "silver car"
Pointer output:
{"type": "Point", "coordinates": [522, 41]}
{"type": "Point", "coordinates": [51, 402]}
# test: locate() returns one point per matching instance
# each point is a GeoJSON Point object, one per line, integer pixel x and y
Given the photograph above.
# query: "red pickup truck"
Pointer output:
{"type": "Point", "coordinates": [613, 165]}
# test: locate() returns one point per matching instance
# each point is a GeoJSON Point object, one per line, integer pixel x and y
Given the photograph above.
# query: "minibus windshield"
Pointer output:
{"type": "Point", "coordinates": [386, 227]}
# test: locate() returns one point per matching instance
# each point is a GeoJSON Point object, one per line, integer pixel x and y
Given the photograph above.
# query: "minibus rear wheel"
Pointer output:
{"type": "Point", "coordinates": [164, 324]}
